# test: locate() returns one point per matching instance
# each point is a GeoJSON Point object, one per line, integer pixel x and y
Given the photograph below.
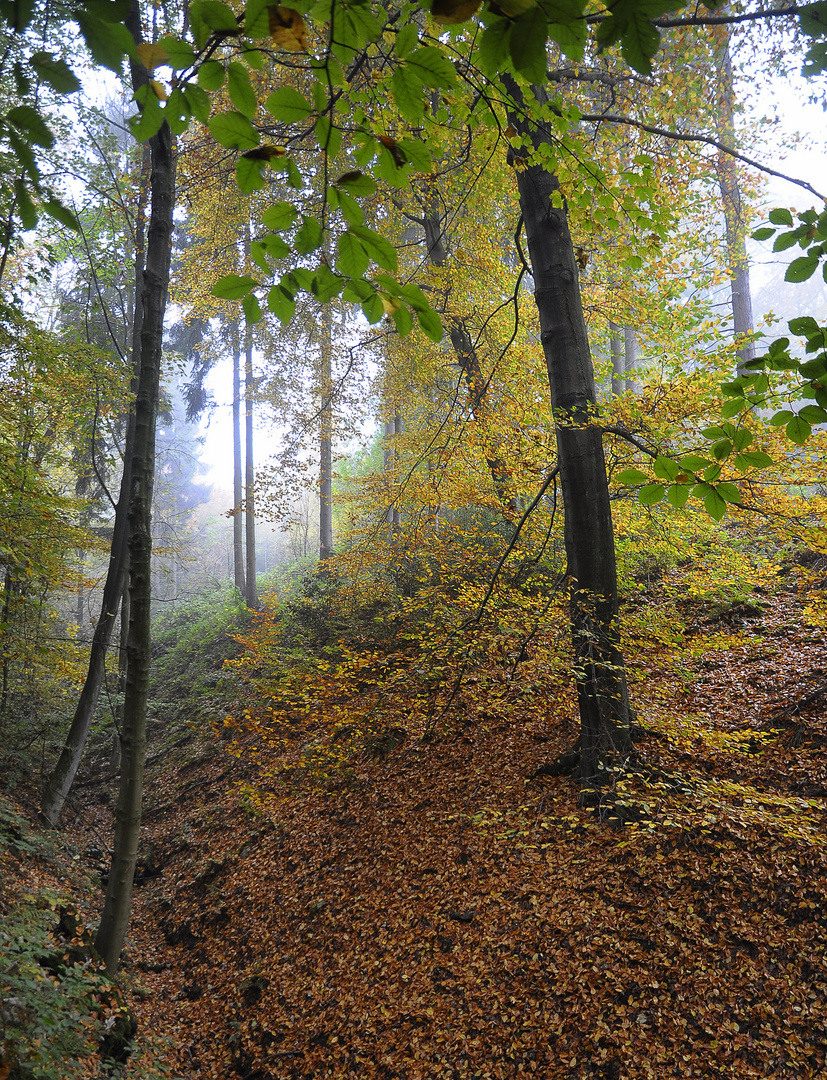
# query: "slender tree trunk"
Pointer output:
{"type": "Point", "coordinates": [117, 905]}
{"type": "Point", "coordinates": [60, 781]}
{"type": "Point", "coordinates": [251, 592]}
{"type": "Point", "coordinates": [618, 369]}
{"type": "Point", "coordinates": [326, 437]}
{"type": "Point", "coordinates": [734, 218]}
{"type": "Point", "coordinates": [605, 740]}
{"type": "Point", "coordinates": [630, 359]}
{"type": "Point", "coordinates": [471, 367]}
{"type": "Point", "coordinates": [238, 525]}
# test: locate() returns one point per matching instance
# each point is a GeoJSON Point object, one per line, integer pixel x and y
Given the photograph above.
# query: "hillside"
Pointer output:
{"type": "Point", "coordinates": [438, 914]}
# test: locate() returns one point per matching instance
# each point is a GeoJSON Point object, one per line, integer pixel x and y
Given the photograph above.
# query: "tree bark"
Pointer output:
{"type": "Point", "coordinates": [743, 323]}
{"type": "Point", "coordinates": [630, 359]}
{"type": "Point", "coordinates": [326, 438]}
{"type": "Point", "coordinates": [251, 592]}
{"type": "Point", "coordinates": [238, 527]}
{"type": "Point", "coordinates": [63, 776]}
{"type": "Point", "coordinates": [471, 368]}
{"type": "Point", "coordinates": [112, 930]}
{"type": "Point", "coordinates": [605, 741]}
{"type": "Point", "coordinates": [618, 367]}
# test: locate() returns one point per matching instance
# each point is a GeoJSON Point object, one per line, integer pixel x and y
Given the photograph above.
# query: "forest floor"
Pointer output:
{"type": "Point", "coordinates": [441, 915]}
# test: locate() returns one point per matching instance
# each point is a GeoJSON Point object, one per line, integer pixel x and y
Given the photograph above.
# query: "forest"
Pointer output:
{"type": "Point", "coordinates": [413, 629]}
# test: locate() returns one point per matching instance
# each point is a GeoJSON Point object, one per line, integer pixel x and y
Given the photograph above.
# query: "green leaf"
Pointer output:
{"type": "Point", "coordinates": [241, 91]}
{"type": "Point", "coordinates": [233, 287]}
{"type": "Point", "coordinates": [631, 476]}
{"type": "Point", "coordinates": [722, 449]}
{"type": "Point", "coordinates": [275, 246]}
{"type": "Point", "coordinates": [233, 131]}
{"type": "Point", "coordinates": [326, 284]}
{"type": "Point", "coordinates": [785, 240]}
{"type": "Point", "coordinates": [733, 407]}
{"type": "Point", "coordinates": [250, 174]}
{"type": "Point", "coordinates": [666, 469]}
{"type": "Point", "coordinates": [813, 414]}
{"type": "Point", "coordinates": [207, 16]}
{"type": "Point", "coordinates": [408, 93]}
{"type": "Point", "coordinates": [677, 494]}
{"type": "Point", "coordinates": [380, 250]}
{"type": "Point", "coordinates": [328, 136]}
{"type": "Point", "coordinates": [433, 68]}
{"type": "Point", "coordinates": [430, 323]}
{"type": "Point", "coordinates": [406, 39]}
{"type": "Point", "coordinates": [528, 45]}
{"type": "Point", "coordinates": [288, 105]}
{"type": "Point", "coordinates": [55, 72]}
{"type": "Point", "coordinates": [26, 209]}
{"type": "Point", "coordinates": [211, 75]}
{"type": "Point", "coordinates": [372, 309]}
{"type": "Point", "coordinates": [251, 308]}
{"type": "Point", "coordinates": [280, 216]}
{"type": "Point", "coordinates": [108, 42]}
{"type": "Point", "coordinates": [805, 326]}
{"type": "Point", "coordinates": [729, 492]}
{"type": "Point", "coordinates": [197, 101]}
{"type": "Point", "coordinates": [55, 209]}
{"type": "Point", "coordinates": [149, 119]}
{"type": "Point", "coordinates": [752, 459]}
{"type": "Point", "coordinates": [352, 259]}
{"type": "Point", "coordinates": [813, 19]}
{"type": "Point", "coordinates": [309, 236]}
{"type": "Point", "coordinates": [763, 233]}
{"type": "Point", "coordinates": [741, 438]}
{"type": "Point", "coordinates": [650, 494]}
{"type": "Point", "coordinates": [351, 210]}
{"type": "Point", "coordinates": [715, 504]}
{"type": "Point", "coordinates": [404, 323]}
{"type": "Point", "coordinates": [32, 125]}
{"type": "Point", "coordinates": [694, 463]}
{"type": "Point", "coordinates": [181, 54]}
{"type": "Point", "coordinates": [801, 269]}
{"type": "Point", "coordinates": [798, 430]}
{"type": "Point", "coordinates": [414, 296]}
{"type": "Point", "coordinates": [781, 216]}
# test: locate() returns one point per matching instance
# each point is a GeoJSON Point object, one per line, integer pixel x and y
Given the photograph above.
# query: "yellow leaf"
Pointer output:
{"type": "Point", "coordinates": [287, 28]}
{"type": "Point", "coordinates": [152, 56]}
{"type": "Point", "coordinates": [158, 89]}
{"type": "Point", "coordinates": [450, 12]}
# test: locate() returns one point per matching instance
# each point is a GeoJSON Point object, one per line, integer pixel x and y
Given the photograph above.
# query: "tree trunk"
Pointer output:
{"type": "Point", "coordinates": [251, 592]}
{"type": "Point", "coordinates": [112, 929]}
{"type": "Point", "coordinates": [471, 368]}
{"type": "Point", "coordinates": [618, 365]}
{"type": "Point", "coordinates": [326, 438]}
{"type": "Point", "coordinates": [603, 698]}
{"type": "Point", "coordinates": [742, 317]}
{"type": "Point", "coordinates": [63, 776]}
{"type": "Point", "coordinates": [238, 527]}
{"type": "Point", "coordinates": [630, 359]}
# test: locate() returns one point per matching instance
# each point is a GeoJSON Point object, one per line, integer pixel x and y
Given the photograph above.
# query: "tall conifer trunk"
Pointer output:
{"type": "Point", "coordinates": [117, 905]}
{"type": "Point", "coordinates": [605, 739]}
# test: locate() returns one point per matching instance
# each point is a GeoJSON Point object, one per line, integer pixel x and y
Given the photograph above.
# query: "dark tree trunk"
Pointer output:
{"type": "Point", "coordinates": [251, 593]}
{"type": "Point", "coordinates": [117, 905]}
{"type": "Point", "coordinates": [603, 698]}
{"type": "Point", "coordinates": [238, 525]}
{"type": "Point", "coordinates": [469, 362]}
{"type": "Point", "coordinates": [63, 776]}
